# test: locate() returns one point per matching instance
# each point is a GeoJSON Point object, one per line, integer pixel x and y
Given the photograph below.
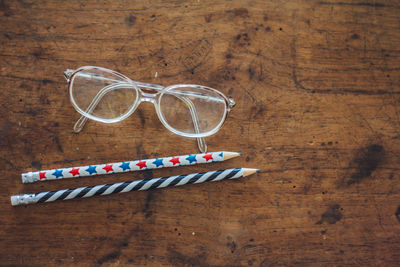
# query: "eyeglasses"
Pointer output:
{"type": "Point", "coordinates": [107, 96]}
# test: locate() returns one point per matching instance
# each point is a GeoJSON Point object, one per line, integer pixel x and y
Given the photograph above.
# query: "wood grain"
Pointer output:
{"type": "Point", "coordinates": [317, 91]}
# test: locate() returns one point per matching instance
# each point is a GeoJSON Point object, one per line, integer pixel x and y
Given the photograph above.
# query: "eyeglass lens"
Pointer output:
{"type": "Point", "coordinates": [102, 94]}
{"type": "Point", "coordinates": [182, 106]}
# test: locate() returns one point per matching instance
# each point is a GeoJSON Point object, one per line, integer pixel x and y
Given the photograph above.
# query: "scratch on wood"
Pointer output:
{"type": "Point", "coordinates": [196, 56]}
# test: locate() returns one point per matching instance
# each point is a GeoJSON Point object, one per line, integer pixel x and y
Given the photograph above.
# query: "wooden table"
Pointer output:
{"type": "Point", "coordinates": [317, 91]}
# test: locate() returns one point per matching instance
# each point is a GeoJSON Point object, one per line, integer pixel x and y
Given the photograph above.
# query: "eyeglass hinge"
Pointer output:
{"type": "Point", "coordinates": [232, 102]}
{"type": "Point", "coordinates": [68, 73]}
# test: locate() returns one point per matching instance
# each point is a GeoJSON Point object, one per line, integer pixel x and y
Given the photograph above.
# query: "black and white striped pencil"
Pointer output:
{"type": "Point", "coordinates": [107, 189]}
{"type": "Point", "coordinates": [127, 166]}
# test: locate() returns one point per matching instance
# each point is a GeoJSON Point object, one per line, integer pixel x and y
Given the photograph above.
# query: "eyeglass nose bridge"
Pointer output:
{"type": "Point", "coordinates": [147, 97]}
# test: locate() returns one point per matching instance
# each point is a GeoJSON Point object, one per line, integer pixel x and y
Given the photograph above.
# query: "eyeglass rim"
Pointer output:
{"type": "Point", "coordinates": [89, 116]}
{"type": "Point", "coordinates": [139, 95]}
{"type": "Point", "coordinates": [194, 135]}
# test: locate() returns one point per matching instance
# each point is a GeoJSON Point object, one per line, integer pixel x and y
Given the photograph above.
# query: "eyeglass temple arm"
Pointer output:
{"type": "Point", "coordinates": [201, 142]}
{"type": "Point", "coordinates": [82, 120]}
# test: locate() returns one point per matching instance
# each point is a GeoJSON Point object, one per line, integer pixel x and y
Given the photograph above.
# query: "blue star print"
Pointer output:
{"type": "Point", "coordinates": [57, 173]}
{"type": "Point", "coordinates": [125, 166]}
{"type": "Point", "coordinates": [91, 169]}
{"type": "Point", "coordinates": [220, 154]}
{"type": "Point", "coordinates": [158, 162]}
{"type": "Point", "coordinates": [191, 158]}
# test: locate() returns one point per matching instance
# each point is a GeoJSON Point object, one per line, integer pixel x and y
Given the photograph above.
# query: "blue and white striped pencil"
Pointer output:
{"type": "Point", "coordinates": [107, 189]}
{"type": "Point", "coordinates": [127, 166]}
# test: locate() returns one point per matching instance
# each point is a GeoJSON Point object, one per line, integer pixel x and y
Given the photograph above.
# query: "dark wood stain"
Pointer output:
{"type": "Point", "coordinates": [58, 144]}
{"type": "Point", "coordinates": [140, 113]}
{"type": "Point", "coordinates": [130, 20]}
{"type": "Point", "coordinates": [37, 165]}
{"type": "Point", "coordinates": [251, 73]}
{"type": "Point", "coordinates": [257, 111]}
{"type": "Point", "coordinates": [177, 258]}
{"type": "Point", "coordinates": [5, 9]}
{"type": "Point", "coordinates": [109, 257]}
{"type": "Point", "coordinates": [331, 215]}
{"type": "Point", "coordinates": [232, 246]}
{"type": "Point", "coordinates": [208, 18]}
{"type": "Point", "coordinates": [365, 161]}
{"type": "Point", "coordinates": [147, 211]}
{"type": "Point", "coordinates": [118, 245]}
{"type": "Point", "coordinates": [38, 53]}
{"type": "Point", "coordinates": [241, 12]}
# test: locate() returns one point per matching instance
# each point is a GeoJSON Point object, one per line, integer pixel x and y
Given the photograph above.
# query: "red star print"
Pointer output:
{"type": "Point", "coordinates": [42, 175]}
{"type": "Point", "coordinates": [208, 157]}
{"type": "Point", "coordinates": [108, 168]}
{"type": "Point", "coordinates": [174, 160]}
{"type": "Point", "coordinates": [74, 171]}
{"type": "Point", "coordinates": [142, 164]}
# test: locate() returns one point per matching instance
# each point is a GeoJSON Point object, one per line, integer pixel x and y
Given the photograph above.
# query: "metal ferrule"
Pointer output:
{"type": "Point", "coordinates": [30, 177]}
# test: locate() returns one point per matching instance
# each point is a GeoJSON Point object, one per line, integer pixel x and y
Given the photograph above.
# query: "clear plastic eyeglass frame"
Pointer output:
{"type": "Point", "coordinates": [141, 92]}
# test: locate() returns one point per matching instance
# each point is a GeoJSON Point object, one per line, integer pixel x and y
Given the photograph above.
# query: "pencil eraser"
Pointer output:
{"type": "Point", "coordinates": [14, 200]}
{"type": "Point", "coordinates": [29, 177]}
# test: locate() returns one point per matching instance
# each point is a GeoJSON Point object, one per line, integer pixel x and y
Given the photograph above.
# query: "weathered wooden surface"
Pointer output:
{"type": "Point", "coordinates": [317, 91]}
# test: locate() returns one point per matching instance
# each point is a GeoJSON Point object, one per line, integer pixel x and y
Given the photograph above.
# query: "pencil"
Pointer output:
{"type": "Point", "coordinates": [108, 189]}
{"type": "Point", "coordinates": [127, 166]}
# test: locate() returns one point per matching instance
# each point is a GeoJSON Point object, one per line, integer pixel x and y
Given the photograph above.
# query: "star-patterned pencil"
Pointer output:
{"type": "Point", "coordinates": [107, 189]}
{"type": "Point", "coordinates": [127, 166]}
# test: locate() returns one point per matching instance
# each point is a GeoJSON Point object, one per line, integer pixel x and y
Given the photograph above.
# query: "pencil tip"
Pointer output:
{"type": "Point", "coordinates": [230, 155]}
{"type": "Point", "coordinates": [248, 171]}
